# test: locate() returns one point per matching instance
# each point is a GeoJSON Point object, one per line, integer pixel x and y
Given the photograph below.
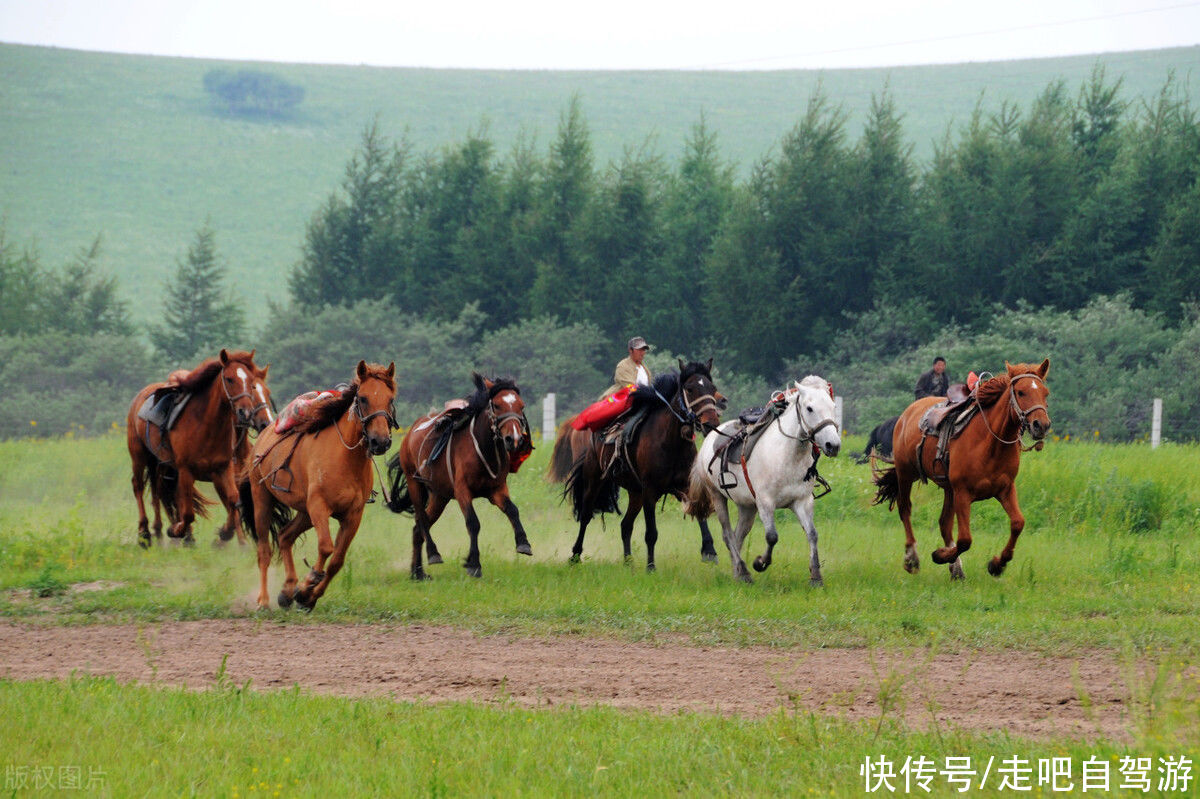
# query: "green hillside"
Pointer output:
{"type": "Point", "coordinates": [129, 147]}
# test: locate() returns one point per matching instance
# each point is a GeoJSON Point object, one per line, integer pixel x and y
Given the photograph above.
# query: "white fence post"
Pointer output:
{"type": "Point", "coordinates": [837, 412]}
{"type": "Point", "coordinates": [548, 416]}
{"type": "Point", "coordinates": [1156, 423]}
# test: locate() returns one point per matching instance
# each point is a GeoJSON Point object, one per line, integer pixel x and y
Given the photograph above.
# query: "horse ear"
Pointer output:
{"type": "Point", "coordinates": [224, 357]}
{"type": "Point", "coordinates": [1008, 367]}
{"type": "Point", "coordinates": [252, 353]}
{"type": "Point", "coordinates": [361, 370]}
{"type": "Point", "coordinates": [681, 365]}
{"type": "Point", "coordinates": [709, 366]}
{"type": "Point", "coordinates": [263, 374]}
{"type": "Point", "coordinates": [391, 372]}
{"type": "Point", "coordinates": [480, 383]}
{"type": "Point", "coordinates": [1044, 368]}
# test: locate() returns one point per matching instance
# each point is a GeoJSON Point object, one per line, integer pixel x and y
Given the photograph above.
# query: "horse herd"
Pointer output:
{"type": "Point", "coordinates": [315, 462]}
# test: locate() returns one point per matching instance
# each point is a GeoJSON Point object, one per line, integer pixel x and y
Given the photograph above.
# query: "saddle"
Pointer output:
{"type": "Point", "coordinates": [621, 432]}
{"type": "Point", "coordinates": [453, 418]}
{"type": "Point", "coordinates": [945, 420]}
{"type": "Point", "coordinates": [162, 410]}
{"type": "Point", "coordinates": [741, 440]}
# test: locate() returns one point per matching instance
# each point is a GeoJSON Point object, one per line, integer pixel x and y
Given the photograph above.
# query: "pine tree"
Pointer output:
{"type": "Point", "coordinates": [199, 316]}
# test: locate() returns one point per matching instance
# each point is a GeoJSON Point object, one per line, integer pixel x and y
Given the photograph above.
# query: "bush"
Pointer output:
{"type": "Point", "coordinates": [252, 92]}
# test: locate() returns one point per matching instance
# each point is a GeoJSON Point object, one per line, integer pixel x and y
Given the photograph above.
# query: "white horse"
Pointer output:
{"type": "Point", "coordinates": [777, 474]}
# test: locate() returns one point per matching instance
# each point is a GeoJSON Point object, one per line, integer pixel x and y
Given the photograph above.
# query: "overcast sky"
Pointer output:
{"type": "Point", "coordinates": [616, 34]}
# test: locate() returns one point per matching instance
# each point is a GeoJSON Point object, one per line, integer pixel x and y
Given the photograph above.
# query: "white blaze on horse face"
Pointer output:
{"type": "Point", "coordinates": [262, 397]}
{"type": "Point", "coordinates": [509, 397]}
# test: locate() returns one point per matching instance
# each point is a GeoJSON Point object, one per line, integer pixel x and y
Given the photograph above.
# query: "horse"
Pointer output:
{"type": "Point", "coordinates": [879, 443]}
{"type": "Point", "coordinates": [217, 403]}
{"type": "Point", "coordinates": [462, 453]}
{"type": "Point", "coordinates": [649, 462]}
{"type": "Point", "coordinates": [780, 473]}
{"type": "Point", "coordinates": [981, 462]}
{"type": "Point", "coordinates": [321, 469]}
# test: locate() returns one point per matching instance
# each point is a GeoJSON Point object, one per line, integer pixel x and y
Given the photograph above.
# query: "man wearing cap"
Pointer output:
{"type": "Point", "coordinates": [631, 370]}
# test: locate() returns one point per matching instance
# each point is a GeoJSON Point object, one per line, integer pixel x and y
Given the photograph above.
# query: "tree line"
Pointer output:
{"type": "Point", "coordinates": [1063, 229]}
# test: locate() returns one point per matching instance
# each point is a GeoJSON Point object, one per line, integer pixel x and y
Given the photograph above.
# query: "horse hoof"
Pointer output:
{"type": "Point", "coordinates": [944, 555]}
{"type": "Point", "coordinates": [474, 571]}
{"type": "Point", "coordinates": [575, 558]}
{"type": "Point", "coordinates": [816, 582]}
{"type": "Point", "coordinates": [995, 567]}
{"type": "Point", "coordinates": [144, 541]}
{"type": "Point", "coordinates": [956, 572]}
{"type": "Point", "coordinates": [628, 559]}
{"type": "Point", "coordinates": [708, 557]}
{"type": "Point", "coordinates": [434, 558]}
{"type": "Point", "coordinates": [524, 549]}
{"type": "Point", "coordinates": [745, 577]}
{"type": "Point", "coordinates": [419, 575]}
{"type": "Point", "coordinates": [284, 600]}
{"type": "Point", "coordinates": [224, 535]}
{"type": "Point", "coordinates": [760, 565]}
{"type": "Point", "coordinates": [650, 569]}
{"type": "Point", "coordinates": [189, 541]}
{"type": "Point", "coordinates": [220, 543]}
{"type": "Point", "coordinates": [912, 565]}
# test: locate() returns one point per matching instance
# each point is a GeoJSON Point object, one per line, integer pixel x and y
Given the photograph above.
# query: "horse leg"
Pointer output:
{"type": "Point", "coordinates": [631, 513]}
{"type": "Point", "coordinates": [227, 493]}
{"type": "Point", "coordinates": [962, 510]}
{"type": "Point", "coordinates": [184, 493]}
{"type": "Point", "coordinates": [1016, 523]}
{"type": "Point", "coordinates": [504, 502]}
{"type": "Point", "coordinates": [139, 489]}
{"type": "Point", "coordinates": [804, 512]}
{"type": "Point", "coordinates": [471, 564]}
{"type": "Point", "coordinates": [912, 564]}
{"type": "Point", "coordinates": [318, 511]}
{"type": "Point", "coordinates": [708, 552]}
{"type": "Point", "coordinates": [736, 537]}
{"type": "Point", "coordinates": [156, 503]}
{"type": "Point", "coordinates": [651, 531]}
{"type": "Point", "coordinates": [767, 514]}
{"type": "Point", "coordinates": [433, 512]}
{"type": "Point", "coordinates": [347, 528]}
{"type": "Point", "coordinates": [946, 526]}
{"type": "Point", "coordinates": [420, 532]}
{"type": "Point", "coordinates": [286, 540]}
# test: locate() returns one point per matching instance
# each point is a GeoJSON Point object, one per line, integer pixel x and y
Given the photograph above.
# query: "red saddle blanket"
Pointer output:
{"type": "Point", "coordinates": [296, 411]}
{"type": "Point", "coordinates": [600, 413]}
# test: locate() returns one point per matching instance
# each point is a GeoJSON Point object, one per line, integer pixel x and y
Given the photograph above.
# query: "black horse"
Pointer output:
{"type": "Point", "coordinates": [650, 459]}
{"type": "Point", "coordinates": [880, 441]}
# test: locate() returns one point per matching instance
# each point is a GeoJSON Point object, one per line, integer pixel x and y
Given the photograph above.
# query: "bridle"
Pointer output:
{"type": "Point", "coordinates": [807, 432]}
{"type": "Point", "coordinates": [1022, 414]}
{"type": "Point", "coordinates": [690, 409]}
{"type": "Point", "coordinates": [495, 423]}
{"type": "Point", "coordinates": [388, 413]}
{"type": "Point", "coordinates": [233, 404]}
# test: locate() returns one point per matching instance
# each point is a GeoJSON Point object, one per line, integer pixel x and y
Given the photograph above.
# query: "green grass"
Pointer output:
{"type": "Point", "coordinates": [1108, 559]}
{"type": "Point", "coordinates": [128, 146]}
{"type": "Point", "coordinates": [233, 742]}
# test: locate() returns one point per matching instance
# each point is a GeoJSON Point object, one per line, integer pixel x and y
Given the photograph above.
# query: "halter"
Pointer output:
{"type": "Point", "coordinates": [807, 433]}
{"type": "Point", "coordinates": [389, 413]}
{"type": "Point", "coordinates": [495, 423]}
{"type": "Point", "coordinates": [1022, 414]}
{"type": "Point", "coordinates": [690, 417]}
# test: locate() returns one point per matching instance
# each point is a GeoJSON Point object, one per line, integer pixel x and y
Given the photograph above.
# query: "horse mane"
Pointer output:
{"type": "Point", "coordinates": [202, 376]}
{"type": "Point", "coordinates": [478, 402]}
{"type": "Point", "coordinates": [667, 384]}
{"type": "Point", "coordinates": [323, 414]}
{"type": "Point", "coordinates": [989, 391]}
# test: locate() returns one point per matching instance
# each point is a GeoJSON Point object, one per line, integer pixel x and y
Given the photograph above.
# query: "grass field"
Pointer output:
{"type": "Point", "coordinates": [1108, 562]}
{"type": "Point", "coordinates": [129, 148]}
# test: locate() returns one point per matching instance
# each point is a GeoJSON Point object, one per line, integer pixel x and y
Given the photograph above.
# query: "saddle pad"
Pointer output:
{"type": "Point", "coordinates": [600, 413]}
{"type": "Point", "coordinates": [296, 411]}
{"type": "Point", "coordinates": [162, 408]}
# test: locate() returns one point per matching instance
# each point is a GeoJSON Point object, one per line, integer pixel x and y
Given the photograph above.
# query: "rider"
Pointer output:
{"type": "Point", "coordinates": [935, 382]}
{"type": "Point", "coordinates": [631, 370]}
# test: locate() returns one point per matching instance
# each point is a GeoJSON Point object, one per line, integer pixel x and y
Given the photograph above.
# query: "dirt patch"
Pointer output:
{"type": "Point", "coordinates": [1022, 693]}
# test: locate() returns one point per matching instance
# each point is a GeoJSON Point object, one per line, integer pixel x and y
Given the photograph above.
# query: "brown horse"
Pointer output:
{"type": "Point", "coordinates": [225, 397]}
{"type": "Point", "coordinates": [981, 462]}
{"type": "Point", "coordinates": [462, 454]}
{"type": "Point", "coordinates": [653, 464]}
{"type": "Point", "coordinates": [321, 468]}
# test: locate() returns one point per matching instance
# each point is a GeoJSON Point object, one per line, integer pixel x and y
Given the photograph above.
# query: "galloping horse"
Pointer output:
{"type": "Point", "coordinates": [780, 473]}
{"type": "Point", "coordinates": [217, 403]}
{"type": "Point", "coordinates": [649, 461]}
{"type": "Point", "coordinates": [981, 462]}
{"type": "Point", "coordinates": [321, 468]}
{"type": "Point", "coordinates": [462, 454]}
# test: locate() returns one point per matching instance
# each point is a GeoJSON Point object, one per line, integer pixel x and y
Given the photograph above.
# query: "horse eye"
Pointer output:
{"type": "Point", "coordinates": [810, 409]}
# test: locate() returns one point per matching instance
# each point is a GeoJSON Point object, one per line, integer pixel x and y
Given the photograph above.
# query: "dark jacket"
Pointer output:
{"type": "Point", "coordinates": [931, 384]}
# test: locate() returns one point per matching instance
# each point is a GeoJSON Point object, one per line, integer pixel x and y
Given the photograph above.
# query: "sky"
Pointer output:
{"type": "Point", "coordinates": [615, 34]}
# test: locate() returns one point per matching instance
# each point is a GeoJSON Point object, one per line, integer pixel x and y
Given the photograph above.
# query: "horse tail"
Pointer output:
{"type": "Point", "coordinates": [400, 500]}
{"type": "Point", "coordinates": [865, 455]}
{"type": "Point", "coordinates": [588, 499]}
{"type": "Point", "coordinates": [889, 488]}
{"type": "Point", "coordinates": [168, 484]}
{"type": "Point", "coordinates": [561, 459]}
{"type": "Point", "coordinates": [699, 503]}
{"type": "Point", "coordinates": [280, 513]}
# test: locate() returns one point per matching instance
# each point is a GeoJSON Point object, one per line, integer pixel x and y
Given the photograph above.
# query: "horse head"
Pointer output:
{"type": "Point", "coordinates": [1028, 393]}
{"type": "Point", "coordinates": [374, 404]}
{"type": "Point", "coordinates": [245, 387]}
{"type": "Point", "coordinates": [699, 394]}
{"type": "Point", "coordinates": [812, 399]}
{"type": "Point", "coordinates": [506, 410]}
